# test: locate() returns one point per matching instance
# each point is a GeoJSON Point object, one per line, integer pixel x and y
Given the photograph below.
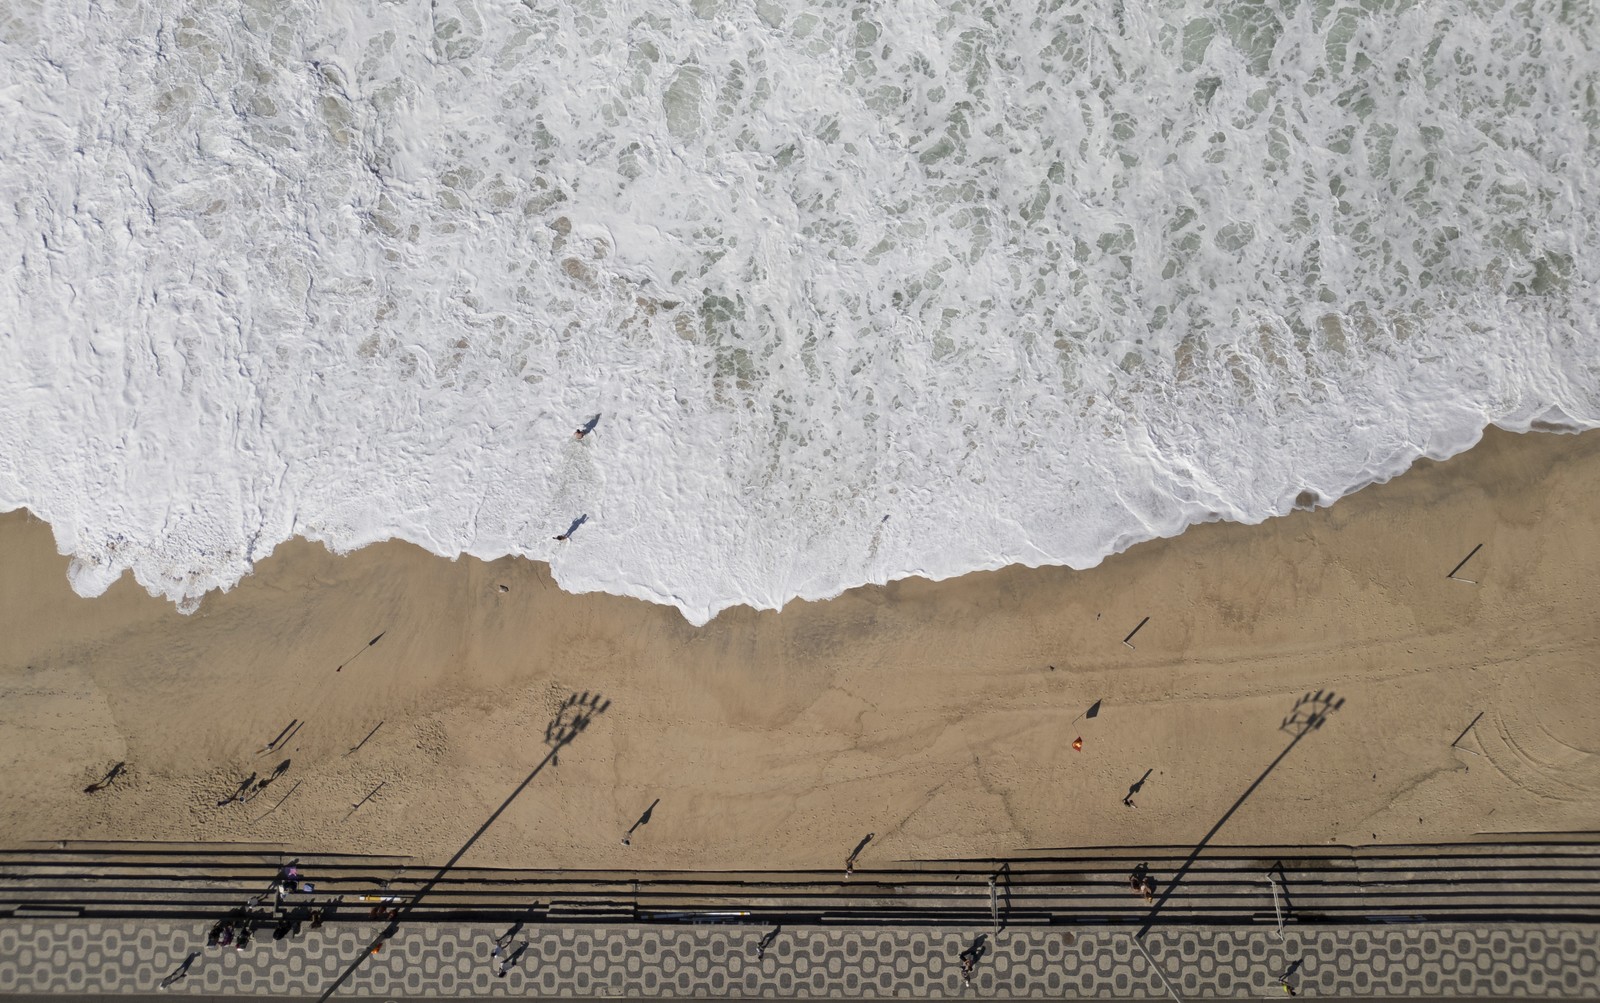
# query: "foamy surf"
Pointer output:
{"type": "Point", "coordinates": [858, 292]}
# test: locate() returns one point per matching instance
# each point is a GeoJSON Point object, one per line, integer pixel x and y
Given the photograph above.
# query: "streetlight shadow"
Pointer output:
{"type": "Point", "coordinates": [570, 721]}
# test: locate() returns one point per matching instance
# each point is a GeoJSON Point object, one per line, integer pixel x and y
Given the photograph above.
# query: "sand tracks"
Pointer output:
{"type": "Point", "coordinates": [1539, 740]}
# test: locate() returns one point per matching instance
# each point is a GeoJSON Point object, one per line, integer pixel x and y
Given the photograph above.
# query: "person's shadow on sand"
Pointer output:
{"type": "Point", "coordinates": [1135, 787]}
{"type": "Point", "coordinates": [107, 780]}
{"type": "Point", "coordinates": [627, 837]}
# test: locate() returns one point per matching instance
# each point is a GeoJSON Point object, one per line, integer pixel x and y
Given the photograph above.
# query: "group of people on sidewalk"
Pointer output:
{"type": "Point", "coordinates": [503, 950]}
{"type": "Point", "coordinates": [288, 916]}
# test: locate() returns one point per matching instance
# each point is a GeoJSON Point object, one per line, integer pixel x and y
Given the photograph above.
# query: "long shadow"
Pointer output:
{"type": "Point", "coordinates": [1004, 877]}
{"type": "Point", "coordinates": [107, 780]}
{"type": "Point", "coordinates": [361, 652]}
{"type": "Point", "coordinates": [644, 819]}
{"type": "Point", "coordinates": [1282, 886]}
{"type": "Point", "coordinates": [281, 736]}
{"type": "Point", "coordinates": [266, 781]}
{"type": "Point", "coordinates": [1136, 787]}
{"type": "Point", "coordinates": [766, 941]}
{"type": "Point", "coordinates": [1310, 713]}
{"type": "Point", "coordinates": [570, 722]}
{"type": "Point", "coordinates": [861, 846]}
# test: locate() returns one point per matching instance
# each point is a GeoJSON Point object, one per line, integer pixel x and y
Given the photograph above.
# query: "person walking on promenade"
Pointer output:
{"type": "Point", "coordinates": [969, 960]}
{"type": "Point", "coordinates": [1283, 980]}
{"type": "Point", "coordinates": [511, 961]}
{"type": "Point", "coordinates": [181, 972]}
{"type": "Point", "coordinates": [502, 943]}
{"type": "Point", "coordinates": [766, 942]}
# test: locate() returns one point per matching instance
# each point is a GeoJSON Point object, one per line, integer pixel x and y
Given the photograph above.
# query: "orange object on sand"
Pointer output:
{"type": "Point", "coordinates": [1077, 744]}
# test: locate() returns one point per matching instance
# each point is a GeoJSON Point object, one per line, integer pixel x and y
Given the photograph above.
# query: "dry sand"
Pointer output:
{"type": "Point", "coordinates": [938, 715]}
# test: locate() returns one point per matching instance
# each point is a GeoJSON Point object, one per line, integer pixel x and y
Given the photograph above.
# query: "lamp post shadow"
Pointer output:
{"type": "Point", "coordinates": [571, 720]}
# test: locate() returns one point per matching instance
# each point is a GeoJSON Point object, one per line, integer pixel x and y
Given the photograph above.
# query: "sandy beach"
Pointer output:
{"type": "Point", "coordinates": [939, 716]}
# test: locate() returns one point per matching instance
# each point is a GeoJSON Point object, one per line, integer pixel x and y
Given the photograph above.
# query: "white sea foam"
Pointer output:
{"type": "Point", "coordinates": [859, 290]}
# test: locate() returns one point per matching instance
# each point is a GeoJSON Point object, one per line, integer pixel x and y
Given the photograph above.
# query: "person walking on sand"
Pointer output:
{"type": "Point", "coordinates": [850, 861]}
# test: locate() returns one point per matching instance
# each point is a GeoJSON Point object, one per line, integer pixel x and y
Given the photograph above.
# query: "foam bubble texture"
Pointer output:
{"type": "Point", "coordinates": [859, 290]}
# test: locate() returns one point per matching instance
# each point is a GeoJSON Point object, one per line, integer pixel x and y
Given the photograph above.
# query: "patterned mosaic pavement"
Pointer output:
{"type": "Point", "coordinates": [93, 956]}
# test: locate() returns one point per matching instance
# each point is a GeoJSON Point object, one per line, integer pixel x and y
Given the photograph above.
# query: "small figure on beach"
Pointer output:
{"type": "Point", "coordinates": [238, 795]}
{"type": "Point", "coordinates": [1077, 744]}
{"type": "Point", "coordinates": [850, 861]}
{"type": "Point", "coordinates": [107, 780]}
{"type": "Point", "coordinates": [1134, 788]}
{"type": "Point", "coordinates": [586, 427]}
{"type": "Point", "coordinates": [627, 837]}
{"type": "Point", "coordinates": [572, 529]}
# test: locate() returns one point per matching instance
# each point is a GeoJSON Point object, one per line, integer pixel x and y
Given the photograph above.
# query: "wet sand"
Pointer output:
{"type": "Point", "coordinates": [938, 715]}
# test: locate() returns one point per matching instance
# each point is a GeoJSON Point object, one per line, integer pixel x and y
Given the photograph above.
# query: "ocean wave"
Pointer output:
{"type": "Point", "coordinates": [857, 291]}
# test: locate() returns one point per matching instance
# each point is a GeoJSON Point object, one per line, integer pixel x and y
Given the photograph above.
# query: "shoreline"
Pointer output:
{"type": "Point", "coordinates": [170, 586]}
{"type": "Point", "coordinates": [926, 712]}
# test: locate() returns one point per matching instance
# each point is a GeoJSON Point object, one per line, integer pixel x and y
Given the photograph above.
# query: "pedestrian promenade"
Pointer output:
{"type": "Point", "coordinates": [1485, 920]}
{"type": "Point", "coordinates": [444, 959]}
